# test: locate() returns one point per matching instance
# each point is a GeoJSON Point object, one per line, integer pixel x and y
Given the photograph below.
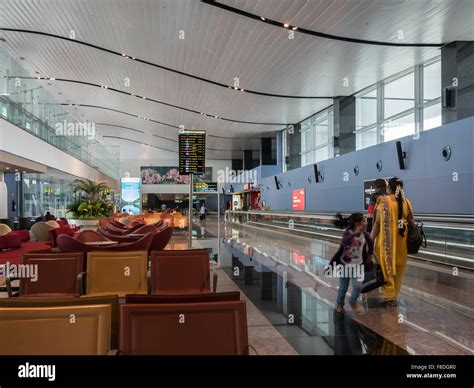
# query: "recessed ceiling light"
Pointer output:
{"type": "Point", "coordinates": [286, 25]}
{"type": "Point", "coordinates": [52, 79]}
{"type": "Point", "coordinates": [263, 19]}
{"type": "Point", "coordinates": [24, 172]}
{"type": "Point", "coordinates": [7, 168]}
{"type": "Point", "coordinates": [16, 170]}
{"type": "Point", "coordinates": [294, 28]}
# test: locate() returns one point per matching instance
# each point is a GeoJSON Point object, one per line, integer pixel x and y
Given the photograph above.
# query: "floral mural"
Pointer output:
{"type": "Point", "coordinates": [170, 176]}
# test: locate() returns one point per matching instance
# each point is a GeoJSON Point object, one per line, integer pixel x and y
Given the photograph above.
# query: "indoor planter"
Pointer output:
{"type": "Point", "coordinates": [91, 206]}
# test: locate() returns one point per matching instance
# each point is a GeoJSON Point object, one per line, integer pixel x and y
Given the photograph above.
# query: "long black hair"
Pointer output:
{"type": "Point", "coordinates": [348, 222]}
{"type": "Point", "coordinates": [396, 186]}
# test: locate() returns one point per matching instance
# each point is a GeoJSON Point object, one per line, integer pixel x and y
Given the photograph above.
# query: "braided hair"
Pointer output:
{"type": "Point", "coordinates": [396, 186]}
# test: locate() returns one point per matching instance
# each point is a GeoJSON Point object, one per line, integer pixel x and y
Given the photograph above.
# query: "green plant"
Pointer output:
{"type": "Point", "coordinates": [92, 203]}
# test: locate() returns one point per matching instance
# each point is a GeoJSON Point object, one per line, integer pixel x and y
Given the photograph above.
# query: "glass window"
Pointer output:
{"type": "Point", "coordinates": [321, 154]}
{"type": "Point", "coordinates": [399, 95]}
{"type": "Point", "coordinates": [366, 139]}
{"type": "Point", "coordinates": [432, 81]}
{"type": "Point", "coordinates": [322, 130]}
{"type": "Point", "coordinates": [432, 117]}
{"type": "Point", "coordinates": [366, 109]}
{"type": "Point", "coordinates": [403, 126]}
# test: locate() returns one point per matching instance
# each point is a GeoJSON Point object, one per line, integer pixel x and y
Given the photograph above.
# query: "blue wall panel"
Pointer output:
{"type": "Point", "coordinates": [428, 177]}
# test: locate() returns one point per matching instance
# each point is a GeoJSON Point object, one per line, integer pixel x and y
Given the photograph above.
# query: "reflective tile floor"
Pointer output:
{"type": "Point", "coordinates": [283, 276]}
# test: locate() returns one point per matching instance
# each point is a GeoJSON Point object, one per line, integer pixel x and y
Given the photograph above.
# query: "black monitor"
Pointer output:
{"type": "Point", "coordinates": [401, 155]}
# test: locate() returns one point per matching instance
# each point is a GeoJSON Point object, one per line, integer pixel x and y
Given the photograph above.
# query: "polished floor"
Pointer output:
{"type": "Point", "coordinates": [428, 320]}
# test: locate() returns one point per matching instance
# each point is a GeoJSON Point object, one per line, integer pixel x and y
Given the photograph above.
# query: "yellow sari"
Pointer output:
{"type": "Point", "coordinates": [390, 247]}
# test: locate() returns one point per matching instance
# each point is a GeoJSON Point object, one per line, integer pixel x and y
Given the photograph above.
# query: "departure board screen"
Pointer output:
{"type": "Point", "coordinates": [192, 152]}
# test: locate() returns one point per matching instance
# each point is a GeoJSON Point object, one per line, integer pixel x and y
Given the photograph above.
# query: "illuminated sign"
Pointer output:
{"type": "Point", "coordinates": [130, 195]}
{"type": "Point", "coordinates": [297, 199]}
{"type": "Point", "coordinates": [203, 187]}
{"type": "Point", "coordinates": [192, 152]}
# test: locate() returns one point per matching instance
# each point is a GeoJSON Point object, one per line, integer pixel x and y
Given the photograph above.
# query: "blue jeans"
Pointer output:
{"type": "Point", "coordinates": [343, 287]}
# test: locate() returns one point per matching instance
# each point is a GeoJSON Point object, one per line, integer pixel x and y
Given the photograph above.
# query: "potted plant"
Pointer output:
{"type": "Point", "coordinates": [91, 204]}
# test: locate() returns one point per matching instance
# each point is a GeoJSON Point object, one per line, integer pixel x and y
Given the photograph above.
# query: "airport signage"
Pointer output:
{"type": "Point", "coordinates": [192, 152]}
{"type": "Point", "coordinates": [297, 200]}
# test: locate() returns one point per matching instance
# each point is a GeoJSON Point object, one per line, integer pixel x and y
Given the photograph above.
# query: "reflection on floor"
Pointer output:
{"type": "Point", "coordinates": [289, 273]}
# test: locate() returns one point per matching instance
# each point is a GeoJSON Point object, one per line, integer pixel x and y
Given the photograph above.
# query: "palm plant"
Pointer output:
{"type": "Point", "coordinates": [91, 188]}
{"type": "Point", "coordinates": [92, 205]}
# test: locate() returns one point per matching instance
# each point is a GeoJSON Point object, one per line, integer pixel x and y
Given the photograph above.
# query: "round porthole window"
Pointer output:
{"type": "Point", "coordinates": [446, 153]}
{"type": "Point", "coordinates": [379, 165]}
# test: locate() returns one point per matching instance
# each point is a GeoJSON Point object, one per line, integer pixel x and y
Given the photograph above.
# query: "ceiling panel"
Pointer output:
{"type": "Point", "coordinates": [221, 46]}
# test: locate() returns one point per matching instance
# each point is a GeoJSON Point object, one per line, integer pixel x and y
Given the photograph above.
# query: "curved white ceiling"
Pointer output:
{"type": "Point", "coordinates": [220, 46]}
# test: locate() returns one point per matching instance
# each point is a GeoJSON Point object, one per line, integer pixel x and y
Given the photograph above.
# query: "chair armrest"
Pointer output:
{"type": "Point", "coordinates": [80, 282]}
{"type": "Point", "coordinates": [214, 280]}
{"type": "Point", "coordinates": [255, 350]}
{"type": "Point", "coordinates": [148, 282]}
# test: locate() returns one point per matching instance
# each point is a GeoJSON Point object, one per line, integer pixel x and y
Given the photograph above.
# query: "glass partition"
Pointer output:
{"type": "Point", "coordinates": [450, 244]}
{"type": "Point", "coordinates": [25, 103]}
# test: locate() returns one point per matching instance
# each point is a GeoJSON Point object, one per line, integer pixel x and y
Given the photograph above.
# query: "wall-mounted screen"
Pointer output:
{"type": "Point", "coordinates": [297, 201]}
{"type": "Point", "coordinates": [130, 196]}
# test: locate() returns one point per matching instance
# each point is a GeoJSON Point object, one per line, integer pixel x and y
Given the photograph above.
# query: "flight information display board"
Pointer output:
{"type": "Point", "coordinates": [203, 187]}
{"type": "Point", "coordinates": [192, 152]}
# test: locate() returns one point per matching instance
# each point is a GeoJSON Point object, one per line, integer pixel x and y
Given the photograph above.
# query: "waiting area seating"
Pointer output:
{"type": "Point", "coordinates": [65, 330]}
{"type": "Point", "coordinates": [213, 328]}
{"type": "Point", "coordinates": [111, 300]}
{"type": "Point", "coordinates": [181, 272]}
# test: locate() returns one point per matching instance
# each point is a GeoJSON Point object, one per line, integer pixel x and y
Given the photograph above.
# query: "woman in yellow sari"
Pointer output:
{"type": "Point", "coordinates": [393, 214]}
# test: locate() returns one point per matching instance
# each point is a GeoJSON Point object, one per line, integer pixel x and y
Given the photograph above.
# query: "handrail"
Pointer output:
{"type": "Point", "coordinates": [442, 219]}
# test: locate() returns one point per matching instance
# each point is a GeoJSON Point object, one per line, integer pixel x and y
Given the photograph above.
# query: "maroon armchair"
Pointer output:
{"type": "Point", "coordinates": [58, 275]}
{"type": "Point", "coordinates": [181, 272]}
{"type": "Point", "coordinates": [69, 244]}
{"type": "Point", "coordinates": [90, 236]}
{"type": "Point", "coordinates": [161, 239]}
{"type": "Point", "coordinates": [183, 298]}
{"type": "Point", "coordinates": [116, 237]}
{"type": "Point", "coordinates": [154, 329]}
{"type": "Point", "coordinates": [139, 245]}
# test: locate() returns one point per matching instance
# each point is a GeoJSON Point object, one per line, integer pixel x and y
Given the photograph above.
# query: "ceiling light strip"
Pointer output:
{"type": "Point", "coordinates": [212, 116]}
{"type": "Point", "coordinates": [129, 57]}
{"type": "Point", "coordinates": [164, 149]}
{"type": "Point", "coordinates": [275, 23]}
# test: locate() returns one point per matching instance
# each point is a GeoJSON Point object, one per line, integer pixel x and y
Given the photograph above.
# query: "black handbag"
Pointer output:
{"type": "Point", "coordinates": [373, 279]}
{"type": "Point", "coordinates": [415, 237]}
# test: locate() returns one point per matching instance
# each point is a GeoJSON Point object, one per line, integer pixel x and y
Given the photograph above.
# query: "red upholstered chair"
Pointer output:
{"type": "Point", "coordinates": [183, 298]}
{"type": "Point", "coordinates": [181, 272]}
{"type": "Point", "coordinates": [146, 229]}
{"type": "Point", "coordinates": [58, 275]}
{"type": "Point", "coordinates": [69, 244]}
{"type": "Point", "coordinates": [54, 233]}
{"type": "Point", "coordinates": [215, 328]}
{"type": "Point", "coordinates": [23, 233]}
{"type": "Point", "coordinates": [10, 241]}
{"type": "Point", "coordinates": [90, 235]}
{"type": "Point", "coordinates": [116, 237]}
{"type": "Point", "coordinates": [140, 245]}
{"type": "Point", "coordinates": [117, 224]}
{"type": "Point", "coordinates": [161, 239]}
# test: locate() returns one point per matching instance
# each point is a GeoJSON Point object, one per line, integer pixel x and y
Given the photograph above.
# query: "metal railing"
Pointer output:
{"type": "Point", "coordinates": [450, 237]}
